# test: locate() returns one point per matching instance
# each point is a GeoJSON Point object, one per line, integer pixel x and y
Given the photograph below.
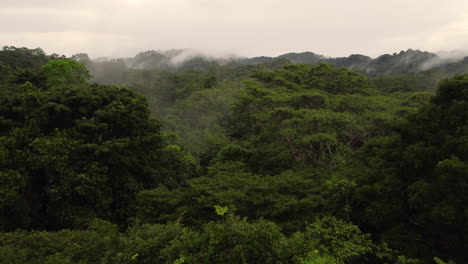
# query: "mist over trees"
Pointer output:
{"type": "Point", "coordinates": [176, 157]}
{"type": "Point", "coordinates": [411, 62]}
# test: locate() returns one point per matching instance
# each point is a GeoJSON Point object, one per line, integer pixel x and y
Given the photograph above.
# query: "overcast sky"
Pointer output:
{"type": "Point", "coordinates": [245, 27]}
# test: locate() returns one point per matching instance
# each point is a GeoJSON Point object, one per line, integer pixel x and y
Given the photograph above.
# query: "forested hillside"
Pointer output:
{"type": "Point", "coordinates": [296, 159]}
{"type": "Point", "coordinates": [423, 69]}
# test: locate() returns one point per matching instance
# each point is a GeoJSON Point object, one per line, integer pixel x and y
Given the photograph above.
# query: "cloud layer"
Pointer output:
{"type": "Point", "coordinates": [246, 27]}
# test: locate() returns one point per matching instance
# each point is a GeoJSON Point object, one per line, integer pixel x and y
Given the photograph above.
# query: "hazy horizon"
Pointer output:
{"type": "Point", "coordinates": [123, 28]}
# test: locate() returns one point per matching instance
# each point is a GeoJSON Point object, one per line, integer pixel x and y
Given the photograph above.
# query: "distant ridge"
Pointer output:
{"type": "Point", "coordinates": [409, 62]}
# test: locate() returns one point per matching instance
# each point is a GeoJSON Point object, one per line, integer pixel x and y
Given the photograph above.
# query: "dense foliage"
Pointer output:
{"type": "Point", "coordinates": [267, 163]}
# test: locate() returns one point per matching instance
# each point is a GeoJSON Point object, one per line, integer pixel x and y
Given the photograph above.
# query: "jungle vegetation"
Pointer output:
{"type": "Point", "coordinates": [262, 162]}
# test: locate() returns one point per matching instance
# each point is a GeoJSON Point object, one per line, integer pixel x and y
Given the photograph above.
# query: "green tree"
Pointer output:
{"type": "Point", "coordinates": [71, 153]}
{"type": "Point", "coordinates": [411, 186]}
{"type": "Point", "coordinates": [65, 72]}
{"type": "Point", "coordinates": [300, 116]}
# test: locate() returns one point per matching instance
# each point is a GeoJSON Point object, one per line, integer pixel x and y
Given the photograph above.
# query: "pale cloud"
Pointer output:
{"type": "Point", "coordinates": [246, 27]}
{"type": "Point", "coordinates": [448, 37]}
